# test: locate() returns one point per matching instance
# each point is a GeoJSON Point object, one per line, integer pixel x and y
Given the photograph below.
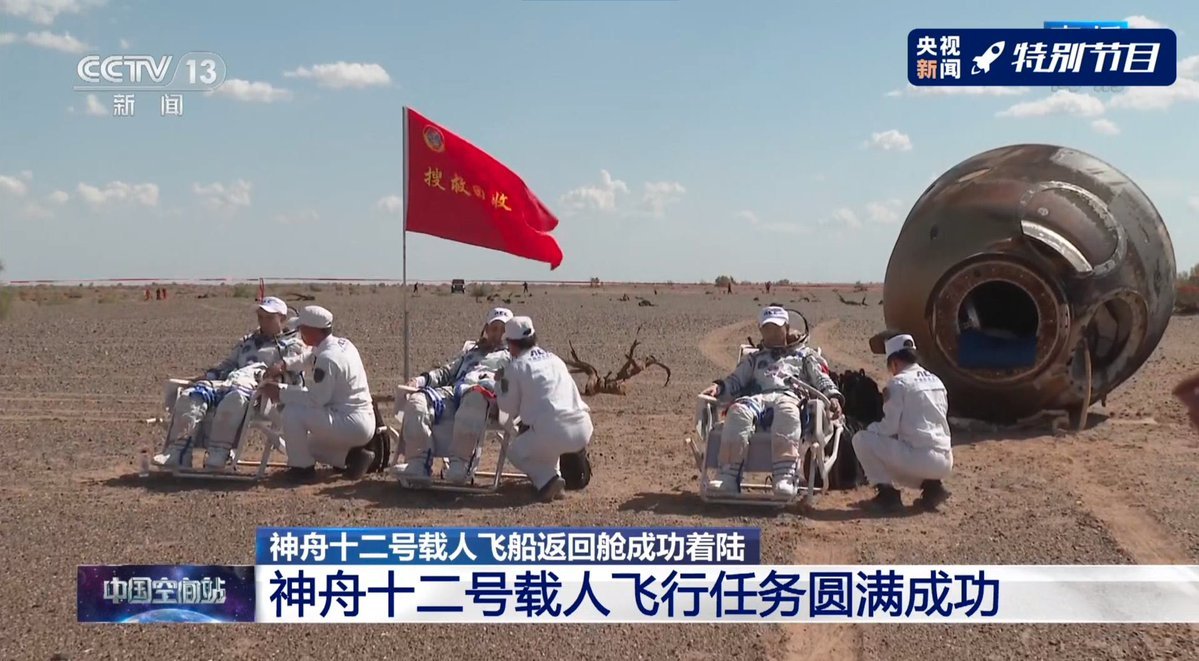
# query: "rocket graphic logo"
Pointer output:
{"type": "Point", "coordinates": [983, 62]}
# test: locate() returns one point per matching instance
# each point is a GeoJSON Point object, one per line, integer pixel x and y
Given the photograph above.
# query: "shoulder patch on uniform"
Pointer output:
{"type": "Point", "coordinates": [318, 375]}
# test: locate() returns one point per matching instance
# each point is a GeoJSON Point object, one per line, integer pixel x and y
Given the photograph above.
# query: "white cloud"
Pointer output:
{"type": "Point", "coordinates": [847, 217]}
{"type": "Point", "coordinates": [14, 185]}
{"type": "Point", "coordinates": [891, 140]}
{"type": "Point", "coordinates": [340, 75]}
{"type": "Point", "coordinates": [298, 217]}
{"type": "Point", "coordinates": [1063, 102]}
{"type": "Point", "coordinates": [1193, 203]}
{"type": "Point", "coordinates": [602, 197]}
{"type": "Point", "coordinates": [1188, 67]}
{"type": "Point", "coordinates": [1157, 98]}
{"type": "Point", "coordinates": [58, 197]}
{"type": "Point", "coordinates": [251, 92]}
{"type": "Point", "coordinates": [119, 191]}
{"type": "Point", "coordinates": [391, 204]}
{"type": "Point", "coordinates": [94, 107]}
{"type": "Point", "coordinates": [35, 211]}
{"type": "Point", "coordinates": [886, 211]}
{"type": "Point", "coordinates": [43, 12]}
{"type": "Point", "coordinates": [607, 197]}
{"type": "Point", "coordinates": [1105, 126]}
{"type": "Point", "coordinates": [659, 194]}
{"type": "Point", "coordinates": [1143, 22]}
{"type": "Point", "coordinates": [8, 38]}
{"type": "Point", "coordinates": [224, 198]}
{"type": "Point", "coordinates": [965, 90]}
{"type": "Point", "coordinates": [59, 42]}
{"type": "Point", "coordinates": [783, 228]}
{"type": "Point", "coordinates": [125, 44]}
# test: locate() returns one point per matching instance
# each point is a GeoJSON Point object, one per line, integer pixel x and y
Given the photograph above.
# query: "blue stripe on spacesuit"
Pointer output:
{"type": "Point", "coordinates": [205, 394]}
{"type": "Point", "coordinates": [437, 401]}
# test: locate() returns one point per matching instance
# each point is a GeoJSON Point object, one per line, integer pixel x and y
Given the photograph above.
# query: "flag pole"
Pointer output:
{"type": "Point", "coordinates": [404, 248]}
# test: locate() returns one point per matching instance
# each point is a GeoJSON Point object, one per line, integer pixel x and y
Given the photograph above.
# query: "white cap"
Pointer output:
{"type": "Point", "coordinates": [314, 316]}
{"type": "Point", "coordinates": [899, 343]}
{"type": "Point", "coordinates": [273, 305]}
{"type": "Point", "coordinates": [518, 328]}
{"type": "Point", "coordinates": [773, 314]}
{"type": "Point", "coordinates": [498, 314]}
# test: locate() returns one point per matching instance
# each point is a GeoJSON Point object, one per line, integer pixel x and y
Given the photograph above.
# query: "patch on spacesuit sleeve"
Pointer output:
{"type": "Point", "coordinates": [318, 375]}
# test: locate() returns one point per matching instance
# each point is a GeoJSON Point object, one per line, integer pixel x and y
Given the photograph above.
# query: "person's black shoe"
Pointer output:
{"type": "Point", "coordinates": [552, 490]}
{"type": "Point", "coordinates": [358, 461]}
{"type": "Point", "coordinates": [932, 495]}
{"type": "Point", "coordinates": [886, 500]}
{"type": "Point", "coordinates": [300, 475]}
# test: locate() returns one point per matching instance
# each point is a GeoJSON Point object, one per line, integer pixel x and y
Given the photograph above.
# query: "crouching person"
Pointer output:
{"type": "Point", "coordinates": [910, 446]}
{"type": "Point", "coordinates": [225, 391]}
{"type": "Point", "coordinates": [333, 419]}
{"type": "Point", "coordinates": [763, 394]}
{"type": "Point", "coordinates": [461, 390]}
{"type": "Point", "coordinates": [537, 386]}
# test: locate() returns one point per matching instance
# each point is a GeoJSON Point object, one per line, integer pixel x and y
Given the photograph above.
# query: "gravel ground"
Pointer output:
{"type": "Point", "coordinates": [78, 378]}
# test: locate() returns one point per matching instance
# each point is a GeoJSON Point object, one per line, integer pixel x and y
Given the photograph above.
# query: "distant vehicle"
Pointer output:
{"type": "Point", "coordinates": [457, 286]}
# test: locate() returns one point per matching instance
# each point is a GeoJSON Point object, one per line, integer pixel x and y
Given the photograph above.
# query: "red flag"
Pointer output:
{"type": "Point", "coordinates": [457, 191]}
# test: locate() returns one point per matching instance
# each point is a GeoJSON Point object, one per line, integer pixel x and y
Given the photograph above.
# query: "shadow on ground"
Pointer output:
{"type": "Point", "coordinates": [689, 504]}
{"type": "Point", "coordinates": [384, 492]}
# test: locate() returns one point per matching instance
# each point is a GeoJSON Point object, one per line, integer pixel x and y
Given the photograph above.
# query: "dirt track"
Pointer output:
{"type": "Point", "coordinates": [1124, 491]}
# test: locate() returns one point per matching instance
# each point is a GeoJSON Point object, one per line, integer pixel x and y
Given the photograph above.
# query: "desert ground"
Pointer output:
{"type": "Point", "coordinates": [80, 373]}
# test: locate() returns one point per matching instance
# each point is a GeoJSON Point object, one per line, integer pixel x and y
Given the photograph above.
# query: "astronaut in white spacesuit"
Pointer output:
{"type": "Point", "coordinates": [225, 391]}
{"type": "Point", "coordinates": [764, 397]}
{"type": "Point", "coordinates": [461, 390]}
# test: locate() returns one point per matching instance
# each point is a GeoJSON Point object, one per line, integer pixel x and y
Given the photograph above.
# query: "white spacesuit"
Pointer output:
{"type": "Point", "coordinates": [911, 446]}
{"type": "Point", "coordinates": [225, 391]}
{"type": "Point", "coordinates": [461, 390]}
{"type": "Point", "coordinates": [537, 386]}
{"type": "Point", "coordinates": [764, 397]}
{"type": "Point", "coordinates": [332, 418]}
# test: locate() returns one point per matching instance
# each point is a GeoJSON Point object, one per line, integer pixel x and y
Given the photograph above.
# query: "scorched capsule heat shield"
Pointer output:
{"type": "Point", "coordinates": [1032, 277]}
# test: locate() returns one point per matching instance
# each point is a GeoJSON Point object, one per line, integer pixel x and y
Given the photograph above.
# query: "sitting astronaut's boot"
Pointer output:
{"type": "Point", "coordinates": [217, 458]}
{"type": "Point", "coordinates": [785, 484]}
{"type": "Point", "coordinates": [784, 479]}
{"type": "Point", "coordinates": [173, 456]}
{"type": "Point", "coordinates": [416, 470]}
{"type": "Point", "coordinates": [727, 480]}
{"type": "Point", "coordinates": [459, 472]}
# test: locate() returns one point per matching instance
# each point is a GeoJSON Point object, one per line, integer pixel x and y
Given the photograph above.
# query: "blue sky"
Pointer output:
{"type": "Point", "coordinates": [676, 140]}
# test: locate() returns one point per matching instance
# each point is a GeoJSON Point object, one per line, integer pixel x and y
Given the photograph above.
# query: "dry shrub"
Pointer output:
{"type": "Point", "coordinates": [6, 299]}
{"type": "Point", "coordinates": [479, 290]}
{"type": "Point", "coordinates": [244, 291]}
{"type": "Point", "coordinates": [1186, 298]}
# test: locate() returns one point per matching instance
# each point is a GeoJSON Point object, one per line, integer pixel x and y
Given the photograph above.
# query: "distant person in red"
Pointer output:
{"type": "Point", "coordinates": [1188, 393]}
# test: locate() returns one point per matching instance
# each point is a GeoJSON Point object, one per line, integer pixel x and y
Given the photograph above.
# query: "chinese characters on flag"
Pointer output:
{"type": "Point", "coordinates": [457, 191]}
